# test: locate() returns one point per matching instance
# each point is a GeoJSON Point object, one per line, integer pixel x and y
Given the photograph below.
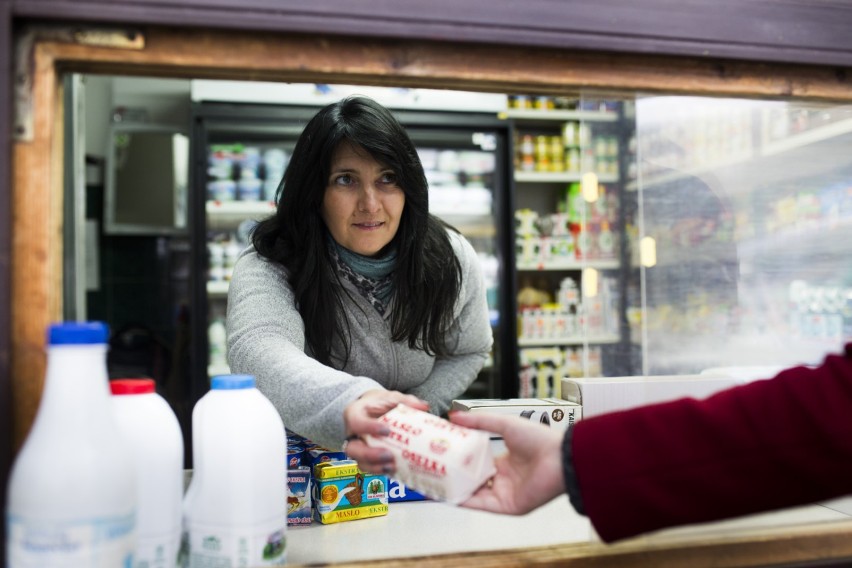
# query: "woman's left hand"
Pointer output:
{"type": "Point", "coordinates": [360, 417]}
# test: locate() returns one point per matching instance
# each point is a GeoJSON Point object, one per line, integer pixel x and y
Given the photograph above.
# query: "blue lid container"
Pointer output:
{"type": "Point", "coordinates": [232, 382]}
{"type": "Point", "coordinates": [77, 333]}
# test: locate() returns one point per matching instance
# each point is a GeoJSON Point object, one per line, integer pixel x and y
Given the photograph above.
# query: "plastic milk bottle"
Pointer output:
{"type": "Point", "coordinates": [152, 432]}
{"type": "Point", "coordinates": [72, 490]}
{"type": "Point", "coordinates": [236, 508]}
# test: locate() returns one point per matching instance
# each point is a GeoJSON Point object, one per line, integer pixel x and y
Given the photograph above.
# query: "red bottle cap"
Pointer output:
{"type": "Point", "coordinates": [132, 386]}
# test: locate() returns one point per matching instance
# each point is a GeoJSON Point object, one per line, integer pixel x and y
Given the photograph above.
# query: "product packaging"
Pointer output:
{"type": "Point", "coordinates": [556, 413]}
{"type": "Point", "coordinates": [315, 454]}
{"type": "Point", "coordinates": [298, 495]}
{"type": "Point", "coordinates": [342, 492]}
{"type": "Point", "coordinates": [398, 492]}
{"type": "Point", "coordinates": [435, 457]}
{"type": "Point", "coordinates": [607, 394]}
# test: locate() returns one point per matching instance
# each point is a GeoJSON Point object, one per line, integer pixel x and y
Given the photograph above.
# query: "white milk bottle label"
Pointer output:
{"type": "Point", "coordinates": [221, 547]}
{"type": "Point", "coordinates": [159, 551]}
{"type": "Point", "coordinates": [93, 543]}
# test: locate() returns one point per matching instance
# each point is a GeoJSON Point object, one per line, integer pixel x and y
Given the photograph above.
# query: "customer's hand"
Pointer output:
{"type": "Point", "coordinates": [360, 417]}
{"type": "Point", "coordinates": [528, 475]}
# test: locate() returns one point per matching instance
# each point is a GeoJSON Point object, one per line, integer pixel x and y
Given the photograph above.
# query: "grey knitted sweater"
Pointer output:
{"type": "Point", "coordinates": [266, 338]}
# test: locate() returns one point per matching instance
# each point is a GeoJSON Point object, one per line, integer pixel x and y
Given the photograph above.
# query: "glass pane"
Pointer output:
{"type": "Point", "coordinates": [747, 206]}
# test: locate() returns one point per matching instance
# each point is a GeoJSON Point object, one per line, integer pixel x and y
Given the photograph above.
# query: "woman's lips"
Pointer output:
{"type": "Point", "coordinates": [369, 226]}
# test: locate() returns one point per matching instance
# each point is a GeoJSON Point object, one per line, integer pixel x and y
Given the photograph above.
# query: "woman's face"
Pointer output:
{"type": "Point", "coordinates": [363, 202]}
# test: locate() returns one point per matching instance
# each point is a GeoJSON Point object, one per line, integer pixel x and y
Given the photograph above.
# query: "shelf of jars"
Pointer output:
{"type": "Point", "coordinates": [566, 264]}
{"type": "Point", "coordinates": [558, 115]}
{"type": "Point", "coordinates": [816, 235]}
{"type": "Point", "coordinates": [560, 177]}
{"type": "Point", "coordinates": [218, 369]}
{"type": "Point", "coordinates": [470, 225]}
{"type": "Point", "coordinates": [568, 340]}
{"type": "Point", "coordinates": [815, 148]}
{"type": "Point", "coordinates": [218, 288]}
{"type": "Point", "coordinates": [223, 214]}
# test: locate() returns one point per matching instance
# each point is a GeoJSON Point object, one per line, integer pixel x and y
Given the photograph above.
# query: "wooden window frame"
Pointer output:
{"type": "Point", "coordinates": [37, 172]}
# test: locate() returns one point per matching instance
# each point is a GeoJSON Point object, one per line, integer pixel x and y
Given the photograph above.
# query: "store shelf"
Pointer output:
{"type": "Point", "coordinates": [578, 340]}
{"type": "Point", "coordinates": [711, 251]}
{"type": "Point", "coordinates": [569, 264]}
{"type": "Point", "coordinates": [213, 370]}
{"type": "Point", "coordinates": [476, 224]}
{"type": "Point", "coordinates": [557, 115]}
{"type": "Point", "coordinates": [218, 289]}
{"type": "Point", "coordinates": [818, 239]}
{"type": "Point", "coordinates": [689, 172]}
{"type": "Point", "coordinates": [808, 137]}
{"type": "Point", "coordinates": [559, 177]}
{"type": "Point", "coordinates": [816, 151]}
{"type": "Point", "coordinates": [232, 213]}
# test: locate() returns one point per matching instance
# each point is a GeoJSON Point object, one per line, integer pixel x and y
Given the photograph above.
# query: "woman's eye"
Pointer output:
{"type": "Point", "coordinates": [389, 179]}
{"type": "Point", "coordinates": [343, 179]}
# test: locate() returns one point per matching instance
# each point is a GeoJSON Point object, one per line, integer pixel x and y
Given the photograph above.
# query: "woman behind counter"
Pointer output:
{"type": "Point", "coordinates": [353, 296]}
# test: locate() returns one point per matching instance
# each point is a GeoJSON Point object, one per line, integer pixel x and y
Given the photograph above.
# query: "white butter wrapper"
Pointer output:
{"type": "Point", "coordinates": [435, 457]}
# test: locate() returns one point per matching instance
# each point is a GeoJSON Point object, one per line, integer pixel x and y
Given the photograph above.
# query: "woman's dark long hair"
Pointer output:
{"type": "Point", "coordinates": [427, 276]}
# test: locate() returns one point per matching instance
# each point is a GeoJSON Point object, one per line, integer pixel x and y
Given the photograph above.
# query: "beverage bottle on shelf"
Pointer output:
{"type": "Point", "coordinates": [71, 498]}
{"type": "Point", "coordinates": [151, 430]}
{"type": "Point", "coordinates": [216, 261]}
{"type": "Point", "coordinates": [238, 496]}
{"type": "Point", "coordinates": [217, 338]}
{"type": "Point", "coordinates": [606, 241]}
{"type": "Point", "coordinates": [231, 252]}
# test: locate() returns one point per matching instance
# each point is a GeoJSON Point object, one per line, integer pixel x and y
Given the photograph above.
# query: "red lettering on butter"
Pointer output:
{"type": "Point", "coordinates": [425, 463]}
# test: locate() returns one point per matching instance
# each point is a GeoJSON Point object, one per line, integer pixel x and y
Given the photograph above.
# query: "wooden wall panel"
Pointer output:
{"type": "Point", "coordinates": [6, 420]}
{"type": "Point", "coordinates": [792, 31]}
{"type": "Point", "coordinates": [36, 245]}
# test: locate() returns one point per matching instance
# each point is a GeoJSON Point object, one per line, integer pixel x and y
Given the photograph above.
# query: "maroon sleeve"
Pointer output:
{"type": "Point", "coordinates": [765, 445]}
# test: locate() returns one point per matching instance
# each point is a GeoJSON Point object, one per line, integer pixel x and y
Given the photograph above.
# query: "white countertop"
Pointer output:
{"type": "Point", "coordinates": [423, 528]}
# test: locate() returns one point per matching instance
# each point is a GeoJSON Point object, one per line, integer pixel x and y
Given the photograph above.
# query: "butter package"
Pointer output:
{"type": "Point", "coordinates": [557, 413]}
{"type": "Point", "coordinates": [314, 455]}
{"type": "Point", "coordinates": [342, 492]}
{"type": "Point", "coordinates": [298, 496]}
{"type": "Point", "coordinates": [434, 456]}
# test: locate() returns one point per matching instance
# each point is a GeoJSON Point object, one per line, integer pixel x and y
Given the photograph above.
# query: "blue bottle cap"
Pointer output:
{"type": "Point", "coordinates": [232, 382]}
{"type": "Point", "coordinates": [77, 333]}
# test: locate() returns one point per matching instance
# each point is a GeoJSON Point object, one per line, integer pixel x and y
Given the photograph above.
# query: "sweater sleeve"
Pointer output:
{"type": "Point", "coordinates": [266, 338]}
{"type": "Point", "coordinates": [766, 445]}
{"type": "Point", "coordinates": [469, 339]}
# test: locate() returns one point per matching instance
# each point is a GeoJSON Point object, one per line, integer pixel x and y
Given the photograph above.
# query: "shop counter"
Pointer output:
{"type": "Point", "coordinates": [429, 533]}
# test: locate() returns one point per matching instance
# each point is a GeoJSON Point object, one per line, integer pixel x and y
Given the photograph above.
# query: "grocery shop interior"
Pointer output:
{"type": "Point", "coordinates": [618, 235]}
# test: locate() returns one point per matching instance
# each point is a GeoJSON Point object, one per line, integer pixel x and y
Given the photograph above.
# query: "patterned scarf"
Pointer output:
{"type": "Point", "coordinates": [370, 276]}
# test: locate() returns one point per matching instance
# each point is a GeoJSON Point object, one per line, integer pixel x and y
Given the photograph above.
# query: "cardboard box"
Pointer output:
{"type": "Point", "coordinates": [342, 492]}
{"type": "Point", "coordinates": [553, 412]}
{"type": "Point", "coordinates": [299, 496]}
{"type": "Point", "coordinates": [607, 394]}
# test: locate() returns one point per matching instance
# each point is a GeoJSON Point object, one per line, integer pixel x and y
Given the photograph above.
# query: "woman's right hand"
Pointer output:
{"type": "Point", "coordinates": [360, 417]}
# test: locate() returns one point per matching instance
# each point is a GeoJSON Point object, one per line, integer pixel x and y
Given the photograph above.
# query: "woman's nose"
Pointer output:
{"type": "Point", "coordinates": [369, 199]}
